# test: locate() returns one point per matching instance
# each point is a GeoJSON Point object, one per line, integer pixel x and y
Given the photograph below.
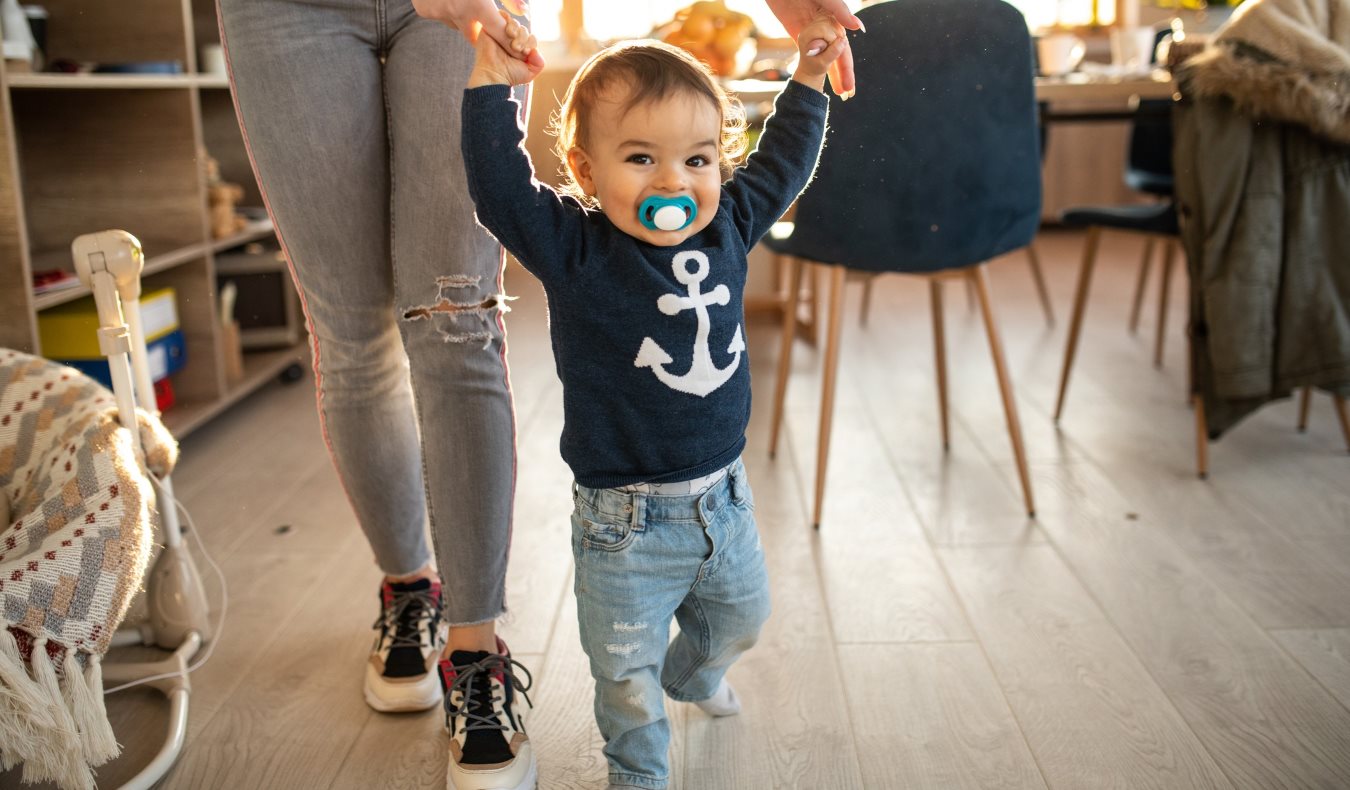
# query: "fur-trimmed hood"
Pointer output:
{"type": "Point", "coordinates": [1287, 60]}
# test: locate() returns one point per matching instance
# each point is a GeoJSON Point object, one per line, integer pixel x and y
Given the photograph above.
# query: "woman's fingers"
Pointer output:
{"type": "Point", "coordinates": [837, 18]}
{"type": "Point", "coordinates": [841, 73]}
{"type": "Point", "coordinates": [838, 10]}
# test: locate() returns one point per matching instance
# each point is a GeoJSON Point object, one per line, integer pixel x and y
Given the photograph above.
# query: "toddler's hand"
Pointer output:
{"type": "Point", "coordinates": [820, 44]}
{"type": "Point", "coordinates": [494, 65]}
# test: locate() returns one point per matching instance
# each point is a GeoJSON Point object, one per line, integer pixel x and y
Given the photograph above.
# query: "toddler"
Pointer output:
{"type": "Point", "coordinates": [643, 258]}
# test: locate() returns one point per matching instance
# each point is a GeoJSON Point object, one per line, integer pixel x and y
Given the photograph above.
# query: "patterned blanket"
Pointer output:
{"type": "Point", "coordinates": [73, 551]}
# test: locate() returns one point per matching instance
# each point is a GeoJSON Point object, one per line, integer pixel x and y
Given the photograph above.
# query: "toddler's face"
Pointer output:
{"type": "Point", "coordinates": [667, 147]}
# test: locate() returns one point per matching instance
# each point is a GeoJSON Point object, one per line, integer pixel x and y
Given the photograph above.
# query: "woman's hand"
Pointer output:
{"type": "Point", "coordinates": [505, 65]}
{"type": "Point", "coordinates": [472, 17]}
{"type": "Point", "coordinates": [820, 44]}
{"type": "Point", "coordinates": [796, 15]}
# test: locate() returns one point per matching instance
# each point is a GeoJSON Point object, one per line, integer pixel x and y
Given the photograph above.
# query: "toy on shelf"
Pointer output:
{"type": "Point", "coordinates": [231, 346]}
{"type": "Point", "coordinates": [714, 34]}
{"type": "Point", "coordinates": [20, 46]}
{"type": "Point", "coordinates": [222, 197]}
{"type": "Point", "coordinates": [69, 334]}
{"type": "Point", "coordinates": [47, 280]}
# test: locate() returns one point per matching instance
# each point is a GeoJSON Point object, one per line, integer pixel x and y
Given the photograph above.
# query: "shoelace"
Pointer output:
{"type": "Point", "coordinates": [399, 621]}
{"type": "Point", "coordinates": [473, 696]}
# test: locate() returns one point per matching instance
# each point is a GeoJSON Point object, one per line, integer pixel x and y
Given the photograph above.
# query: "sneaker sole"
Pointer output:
{"type": "Point", "coordinates": [530, 782]}
{"type": "Point", "coordinates": [405, 696]}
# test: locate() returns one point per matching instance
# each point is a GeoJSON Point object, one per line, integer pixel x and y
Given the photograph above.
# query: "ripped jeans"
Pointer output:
{"type": "Point", "coordinates": [351, 116]}
{"type": "Point", "coordinates": [641, 560]}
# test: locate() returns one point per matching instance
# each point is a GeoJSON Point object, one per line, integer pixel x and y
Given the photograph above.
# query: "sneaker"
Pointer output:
{"type": "Point", "coordinates": [489, 749]}
{"type": "Point", "coordinates": [400, 676]}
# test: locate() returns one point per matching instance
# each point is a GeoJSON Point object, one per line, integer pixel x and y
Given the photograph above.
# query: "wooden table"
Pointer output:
{"type": "Point", "coordinates": [1080, 87]}
{"type": "Point", "coordinates": [1097, 98]}
{"type": "Point", "coordinates": [1076, 87]}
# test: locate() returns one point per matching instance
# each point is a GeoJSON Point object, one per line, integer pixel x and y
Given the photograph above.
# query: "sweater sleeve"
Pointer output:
{"type": "Point", "coordinates": [781, 166]}
{"type": "Point", "coordinates": [540, 227]}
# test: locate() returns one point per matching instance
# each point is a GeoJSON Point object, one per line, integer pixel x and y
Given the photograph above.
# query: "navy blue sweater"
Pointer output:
{"type": "Point", "coordinates": [648, 341]}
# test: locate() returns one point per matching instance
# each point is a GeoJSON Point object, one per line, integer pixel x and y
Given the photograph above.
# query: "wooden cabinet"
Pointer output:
{"type": "Point", "coordinates": [82, 153]}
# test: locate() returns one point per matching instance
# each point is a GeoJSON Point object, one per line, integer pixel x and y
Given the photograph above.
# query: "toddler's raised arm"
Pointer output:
{"type": "Point", "coordinates": [541, 228]}
{"type": "Point", "coordinates": [782, 164]}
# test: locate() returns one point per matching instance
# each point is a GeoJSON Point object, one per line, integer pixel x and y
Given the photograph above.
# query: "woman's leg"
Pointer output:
{"type": "Point", "coordinates": [448, 297]}
{"type": "Point", "coordinates": [449, 302]}
{"type": "Point", "coordinates": [308, 88]}
{"type": "Point", "coordinates": [308, 84]}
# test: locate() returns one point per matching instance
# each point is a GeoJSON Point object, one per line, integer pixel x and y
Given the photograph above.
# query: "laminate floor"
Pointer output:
{"type": "Point", "coordinates": [1147, 629]}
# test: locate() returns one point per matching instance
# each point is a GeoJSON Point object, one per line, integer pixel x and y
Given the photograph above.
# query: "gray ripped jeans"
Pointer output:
{"type": "Point", "coordinates": [350, 112]}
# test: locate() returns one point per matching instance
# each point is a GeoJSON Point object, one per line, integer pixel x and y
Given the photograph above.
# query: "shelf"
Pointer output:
{"type": "Point", "coordinates": [53, 260]}
{"type": "Point", "coordinates": [260, 367]}
{"type": "Point", "coordinates": [104, 81]}
{"type": "Point", "coordinates": [61, 260]}
{"type": "Point", "coordinates": [259, 265]}
{"type": "Point", "coordinates": [116, 81]}
{"type": "Point", "coordinates": [255, 230]}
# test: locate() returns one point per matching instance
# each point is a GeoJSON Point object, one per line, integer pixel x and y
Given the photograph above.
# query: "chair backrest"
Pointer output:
{"type": "Point", "coordinates": [1148, 167]}
{"type": "Point", "coordinates": [935, 163]}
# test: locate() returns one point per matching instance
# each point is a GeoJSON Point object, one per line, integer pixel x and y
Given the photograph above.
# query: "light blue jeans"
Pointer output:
{"type": "Point", "coordinates": [642, 559]}
{"type": "Point", "coordinates": [350, 112]}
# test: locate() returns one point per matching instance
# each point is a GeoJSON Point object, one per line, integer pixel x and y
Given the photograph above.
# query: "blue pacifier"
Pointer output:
{"type": "Point", "coordinates": [661, 213]}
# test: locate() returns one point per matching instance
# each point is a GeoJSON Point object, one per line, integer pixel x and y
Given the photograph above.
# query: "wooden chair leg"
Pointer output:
{"type": "Point", "coordinates": [1190, 362]}
{"type": "Point", "coordinates": [828, 386]}
{"type": "Point", "coordinates": [1076, 322]}
{"type": "Point", "coordinates": [1201, 439]}
{"type": "Point", "coordinates": [866, 299]}
{"type": "Point", "coordinates": [1038, 276]}
{"type": "Point", "coordinates": [977, 276]}
{"type": "Point", "coordinates": [1169, 252]}
{"type": "Point", "coordinates": [1139, 287]}
{"type": "Point", "coordinates": [940, 357]}
{"type": "Point", "coordinates": [1343, 417]}
{"type": "Point", "coordinates": [1304, 402]}
{"type": "Point", "coordinates": [789, 333]}
{"type": "Point", "coordinates": [813, 307]}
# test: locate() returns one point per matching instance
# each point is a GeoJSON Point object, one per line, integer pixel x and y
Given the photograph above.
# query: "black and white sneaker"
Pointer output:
{"type": "Point", "coordinates": [401, 673]}
{"type": "Point", "coordinates": [489, 749]}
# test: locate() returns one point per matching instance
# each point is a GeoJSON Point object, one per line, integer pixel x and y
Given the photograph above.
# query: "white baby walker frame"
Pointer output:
{"type": "Point", "coordinates": [109, 263]}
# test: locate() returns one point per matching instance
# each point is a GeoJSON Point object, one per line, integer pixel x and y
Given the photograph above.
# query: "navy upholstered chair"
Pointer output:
{"type": "Point", "coordinates": [933, 168]}
{"type": "Point", "coordinates": [1148, 170]}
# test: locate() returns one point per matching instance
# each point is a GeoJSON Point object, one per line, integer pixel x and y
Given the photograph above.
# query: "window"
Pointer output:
{"type": "Point", "coordinates": [614, 19]}
{"type": "Point", "coordinates": [1044, 13]}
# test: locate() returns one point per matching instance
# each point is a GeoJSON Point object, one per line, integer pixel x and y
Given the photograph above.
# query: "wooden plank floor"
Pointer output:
{"type": "Point", "coordinates": [1146, 630]}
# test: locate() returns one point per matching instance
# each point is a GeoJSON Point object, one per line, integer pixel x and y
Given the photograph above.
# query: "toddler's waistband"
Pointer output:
{"type": "Point", "coordinates": [639, 508]}
{"type": "Point", "coordinates": [682, 488]}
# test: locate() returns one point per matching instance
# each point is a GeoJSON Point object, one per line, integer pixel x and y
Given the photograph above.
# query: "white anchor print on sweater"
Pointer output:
{"type": "Point", "coordinates": [703, 377]}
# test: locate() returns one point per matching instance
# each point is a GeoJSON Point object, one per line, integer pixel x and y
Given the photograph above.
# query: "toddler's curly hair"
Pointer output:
{"type": "Point", "coordinates": [649, 71]}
